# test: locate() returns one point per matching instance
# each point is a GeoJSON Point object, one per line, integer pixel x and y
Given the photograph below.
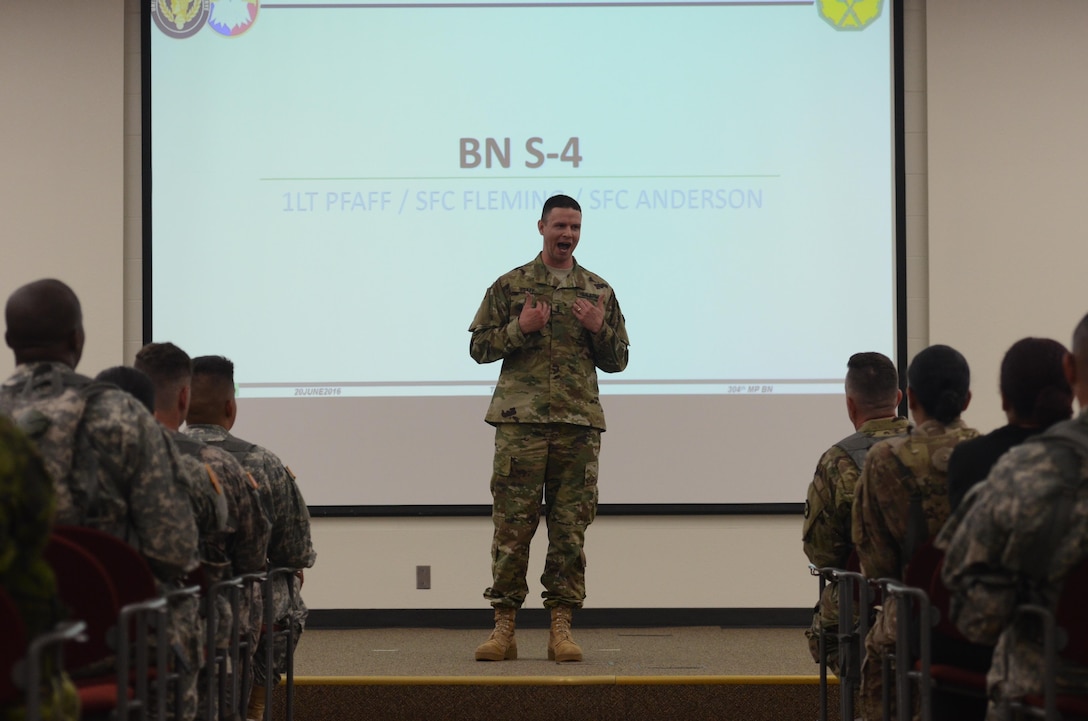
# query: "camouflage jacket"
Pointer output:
{"type": "Point", "coordinates": [548, 376]}
{"type": "Point", "coordinates": [894, 469]}
{"type": "Point", "coordinates": [289, 544]}
{"type": "Point", "coordinates": [826, 531]}
{"type": "Point", "coordinates": [242, 545]}
{"type": "Point", "coordinates": [109, 462]}
{"type": "Point", "coordinates": [992, 557]}
{"type": "Point", "coordinates": [26, 517]}
{"type": "Point", "coordinates": [205, 493]}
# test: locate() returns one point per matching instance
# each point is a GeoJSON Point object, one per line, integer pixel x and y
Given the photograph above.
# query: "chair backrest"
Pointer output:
{"type": "Point", "coordinates": [85, 588]}
{"type": "Point", "coordinates": [922, 565]}
{"type": "Point", "coordinates": [127, 568]}
{"type": "Point", "coordinates": [1070, 615]}
{"type": "Point", "coordinates": [12, 649]}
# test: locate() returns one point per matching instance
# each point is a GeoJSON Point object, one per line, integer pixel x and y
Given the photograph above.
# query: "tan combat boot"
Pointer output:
{"type": "Point", "coordinates": [501, 644]}
{"type": "Point", "coordinates": [561, 645]}
{"type": "Point", "coordinates": [255, 710]}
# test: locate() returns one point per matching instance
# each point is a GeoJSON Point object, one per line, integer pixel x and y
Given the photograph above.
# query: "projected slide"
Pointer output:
{"type": "Point", "coordinates": [336, 184]}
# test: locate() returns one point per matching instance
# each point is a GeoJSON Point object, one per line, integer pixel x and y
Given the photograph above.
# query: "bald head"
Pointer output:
{"type": "Point", "coordinates": [44, 323]}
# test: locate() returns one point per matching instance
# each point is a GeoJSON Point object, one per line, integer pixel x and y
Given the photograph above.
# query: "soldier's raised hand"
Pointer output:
{"type": "Point", "coordinates": [534, 314]}
{"type": "Point", "coordinates": [590, 315]}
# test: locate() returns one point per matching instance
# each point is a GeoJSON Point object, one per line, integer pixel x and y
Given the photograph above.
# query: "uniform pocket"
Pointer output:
{"type": "Point", "coordinates": [502, 465]}
{"type": "Point", "coordinates": [591, 474]}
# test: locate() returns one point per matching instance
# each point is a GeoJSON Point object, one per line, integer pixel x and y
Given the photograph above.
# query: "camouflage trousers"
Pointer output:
{"type": "Point", "coordinates": [879, 642]}
{"type": "Point", "coordinates": [826, 616]}
{"type": "Point", "coordinates": [556, 463]}
{"type": "Point", "coordinates": [186, 633]}
{"type": "Point", "coordinates": [289, 611]}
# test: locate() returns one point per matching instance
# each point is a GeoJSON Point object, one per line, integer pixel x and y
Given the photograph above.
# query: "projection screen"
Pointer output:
{"type": "Point", "coordinates": [333, 186]}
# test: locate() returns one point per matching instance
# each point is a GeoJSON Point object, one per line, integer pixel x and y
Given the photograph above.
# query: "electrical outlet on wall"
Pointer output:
{"type": "Point", "coordinates": [423, 577]}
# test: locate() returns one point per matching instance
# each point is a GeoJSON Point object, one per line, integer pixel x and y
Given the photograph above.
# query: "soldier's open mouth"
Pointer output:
{"type": "Point", "coordinates": [564, 246]}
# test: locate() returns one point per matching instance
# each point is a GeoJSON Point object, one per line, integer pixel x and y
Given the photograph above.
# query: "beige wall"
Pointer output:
{"type": "Point", "coordinates": [994, 93]}
{"type": "Point", "coordinates": [62, 157]}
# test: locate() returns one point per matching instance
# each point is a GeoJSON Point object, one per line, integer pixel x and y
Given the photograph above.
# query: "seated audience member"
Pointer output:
{"type": "Point", "coordinates": [212, 414]}
{"type": "Point", "coordinates": [209, 504]}
{"type": "Point", "coordinates": [110, 465]}
{"type": "Point", "coordinates": [902, 496]}
{"type": "Point", "coordinates": [1034, 396]}
{"type": "Point", "coordinates": [872, 396]}
{"type": "Point", "coordinates": [242, 546]}
{"type": "Point", "coordinates": [1016, 537]}
{"type": "Point", "coordinates": [26, 520]}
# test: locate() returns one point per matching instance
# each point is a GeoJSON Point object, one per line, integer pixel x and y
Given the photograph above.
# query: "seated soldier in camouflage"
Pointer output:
{"type": "Point", "coordinates": [872, 396]}
{"type": "Point", "coordinates": [242, 546]}
{"type": "Point", "coordinates": [1015, 539]}
{"type": "Point", "coordinates": [26, 519]}
{"type": "Point", "coordinates": [212, 414]}
{"type": "Point", "coordinates": [209, 504]}
{"type": "Point", "coordinates": [901, 498]}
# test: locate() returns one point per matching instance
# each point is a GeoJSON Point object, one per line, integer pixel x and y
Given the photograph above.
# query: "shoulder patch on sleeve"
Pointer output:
{"type": "Point", "coordinates": [215, 480]}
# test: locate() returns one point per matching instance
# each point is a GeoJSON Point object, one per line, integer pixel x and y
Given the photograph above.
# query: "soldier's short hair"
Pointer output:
{"type": "Point", "coordinates": [871, 380]}
{"type": "Point", "coordinates": [214, 365]}
{"type": "Point", "coordinates": [559, 201]}
{"type": "Point", "coordinates": [1033, 381]}
{"type": "Point", "coordinates": [168, 366]}
{"type": "Point", "coordinates": [941, 381]}
{"type": "Point", "coordinates": [213, 385]}
{"type": "Point", "coordinates": [134, 382]}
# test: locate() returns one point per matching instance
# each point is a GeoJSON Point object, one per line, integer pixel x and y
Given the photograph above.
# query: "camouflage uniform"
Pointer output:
{"type": "Point", "coordinates": [241, 546]}
{"type": "Point", "coordinates": [894, 469]}
{"type": "Point", "coordinates": [826, 531]}
{"type": "Point", "coordinates": [548, 419]}
{"type": "Point", "coordinates": [110, 464]}
{"type": "Point", "coordinates": [289, 546]}
{"type": "Point", "coordinates": [187, 625]}
{"type": "Point", "coordinates": [993, 554]}
{"type": "Point", "coordinates": [26, 517]}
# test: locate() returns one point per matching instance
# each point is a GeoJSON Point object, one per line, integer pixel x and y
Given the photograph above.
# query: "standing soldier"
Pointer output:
{"type": "Point", "coordinates": [553, 324]}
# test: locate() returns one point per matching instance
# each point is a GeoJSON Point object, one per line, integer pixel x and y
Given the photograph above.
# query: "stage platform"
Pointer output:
{"type": "Point", "coordinates": [748, 674]}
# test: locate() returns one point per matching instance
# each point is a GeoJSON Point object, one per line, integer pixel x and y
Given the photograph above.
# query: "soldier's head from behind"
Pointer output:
{"type": "Point", "coordinates": [1076, 363]}
{"type": "Point", "coordinates": [44, 323]}
{"type": "Point", "coordinates": [1034, 390]}
{"type": "Point", "coordinates": [171, 370]}
{"type": "Point", "coordinates": [213, 392]}
{"type": "Point", "coordinates": [872, 388]}
{"type": "Point", "coordinates": [938, 384]}
{"type": "Point", "coordinates": [132, 381]}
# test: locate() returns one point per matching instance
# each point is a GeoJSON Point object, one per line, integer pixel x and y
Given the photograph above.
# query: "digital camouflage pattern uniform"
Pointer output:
{"type": "Point", "coordinates": [825, 534]}
{"type": "Point", "coordinates": [1009, 535]}
{"type": "Point", "coordinates": [894, 470]}
{"type": "Point", "coordinates": [289, 545]}
{"type": "Point", "coordinates": [548, 419]}
{"type": "Point", "coordinates": [187, 626]}
{"type": "Point", "coordinates": [239, 548]}
{"type": "Point", "coordinates": [109, 462]}
{"type": "Point", "coordinates": [112, 467]}
{"type": "Point", "coordinates": [26, 519]}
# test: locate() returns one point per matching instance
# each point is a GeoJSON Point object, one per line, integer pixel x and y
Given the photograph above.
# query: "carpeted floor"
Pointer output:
{"type": "Point", "coordinates": [688, 651]}
{"type": "Point", "coordinates": [689, 673]}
